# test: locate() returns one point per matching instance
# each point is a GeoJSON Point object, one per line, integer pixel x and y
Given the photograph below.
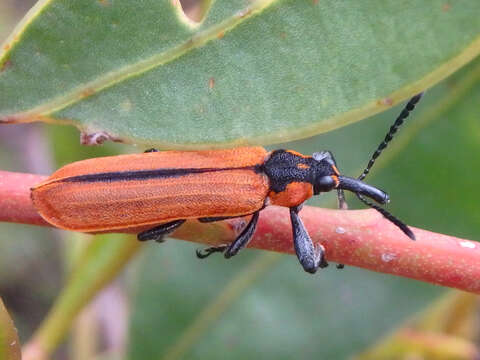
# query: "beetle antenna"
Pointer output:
{"type": "Point", "coordinates": [400, 224]}
{"type": "Point", "coordinates": [393, 129]}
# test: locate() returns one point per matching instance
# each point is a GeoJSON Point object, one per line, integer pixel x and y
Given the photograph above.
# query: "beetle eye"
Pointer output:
{"type": "Point", "coordinates": [324, 184]}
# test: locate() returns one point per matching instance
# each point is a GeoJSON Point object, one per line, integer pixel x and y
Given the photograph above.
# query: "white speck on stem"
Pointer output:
{"type": "Point", "coordinates": [467, 244]}
{"type": "Point", "coordinates": [340, 230]}
{"type": "Point", "coordinates": [386, 257]}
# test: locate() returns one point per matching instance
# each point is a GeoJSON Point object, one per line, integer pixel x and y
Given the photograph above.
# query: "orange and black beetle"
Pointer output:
{"type": "Point", "coordinates": [163, 189]}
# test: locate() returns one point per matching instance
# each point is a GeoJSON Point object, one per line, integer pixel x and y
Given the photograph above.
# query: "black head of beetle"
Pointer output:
{"type": "Point", "coordinates": [285, 167]}
{"type": "Point", "coordinates": [327, 178]}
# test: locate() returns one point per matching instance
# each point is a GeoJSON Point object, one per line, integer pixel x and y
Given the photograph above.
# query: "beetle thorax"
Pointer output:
{"type": "Point", "coordinates": [291, 176]}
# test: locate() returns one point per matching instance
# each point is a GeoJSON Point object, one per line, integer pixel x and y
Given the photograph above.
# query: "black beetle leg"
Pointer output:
{"type": "Point", "coordinates": [239, 243]}
{"type": "Point", "coordinates": [311, 257]}
{"type": "Point", "coordinates": [215, 219]}
{"type": "Point", "coordinates": [151, 150]}
{"type": "Point", "coordinates": [342, 203]}
{"type": "Point", "coordinates": [158, 232]}
{"type": "Point", "coordinates": [202, 254]}
{"type": "Point", "coordinates": [244, 238]}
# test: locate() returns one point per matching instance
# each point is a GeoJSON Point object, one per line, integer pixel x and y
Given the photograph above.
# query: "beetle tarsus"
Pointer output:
{"type": "Point", "coordinates": [202, 254]}
{"type": "Point", "coordinates": [151, 150]}
{"type": "Point", "coordinates": [340, 266]}
{"type": "Point", "coordinates": [311, 257]}
{"type": "Point", "coordinates": [158, 232]}
{"type": "Point", "coordinates": [320, 256]}
{"type": "Point", "coordinates": [160, 239]}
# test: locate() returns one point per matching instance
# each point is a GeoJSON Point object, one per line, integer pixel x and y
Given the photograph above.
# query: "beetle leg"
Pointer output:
{"type": "Point", "coordinates": [218, 218]}
{"type": "Point", "coordinates": [342, 203]}
{"type": "Point", "coordinates": [151, 150]}
{"type": "Point", "coordinates": [202, 254]}
{"type": "Point", "coordinates": [310, 256]}
{"type": "Point", "coordinates": [244, 238]}
{"type": "Point", "coordinates": [239, 243]}
{"type": "Point", "coordinates": [158, 232]}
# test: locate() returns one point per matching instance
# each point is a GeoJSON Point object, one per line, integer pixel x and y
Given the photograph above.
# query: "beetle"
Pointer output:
{"type": "Point", "coordinates": [164, 189]}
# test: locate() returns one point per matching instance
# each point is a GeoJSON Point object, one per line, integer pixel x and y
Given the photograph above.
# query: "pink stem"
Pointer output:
{"type": "Point", "coordinates": [15, 203]}
{"type": "Point", "coordinates": [361, 238]}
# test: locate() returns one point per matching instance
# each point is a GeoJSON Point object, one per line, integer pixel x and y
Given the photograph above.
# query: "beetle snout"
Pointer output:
{"type": "Point", "coordinates": [359, 187]}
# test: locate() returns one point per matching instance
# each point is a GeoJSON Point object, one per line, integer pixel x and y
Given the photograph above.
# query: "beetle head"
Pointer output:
{"type": "Point", "coordinates": [328, 178]}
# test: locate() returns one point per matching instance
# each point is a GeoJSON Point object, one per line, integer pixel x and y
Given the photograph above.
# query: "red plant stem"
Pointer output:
{"type": "Point", "coordinates": [361, 238]}
{"type": "Point", "coordinates": [15, 203]}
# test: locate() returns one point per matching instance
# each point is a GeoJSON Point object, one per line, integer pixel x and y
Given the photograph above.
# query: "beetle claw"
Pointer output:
{"type": "Point", "coordinates": [320, 256]}
{"type": "Point", "coordinates": [202, 254]}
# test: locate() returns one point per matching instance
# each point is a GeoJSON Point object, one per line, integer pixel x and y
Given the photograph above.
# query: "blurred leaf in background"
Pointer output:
{"type": "Point", "coordinates": [9, 343]}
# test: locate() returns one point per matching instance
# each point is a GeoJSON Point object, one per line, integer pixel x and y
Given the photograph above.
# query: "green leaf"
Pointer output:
{"type": "Point", "coordinates": [9, 343]}
{"type": "Point", "coordinates": [251, 72]}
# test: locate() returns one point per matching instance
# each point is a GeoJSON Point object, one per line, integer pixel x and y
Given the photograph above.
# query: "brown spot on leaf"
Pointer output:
{"type": "Point", "coordinates": [87, 92]}
{"type": "Point", "coordinates": [211, 83]}
{"type": "Point", "coordinates": [221, 34]}
{"type": "Point", "coordinates": [6, 47]}
{"type": "Point", "coordinates": [314, 2]}
{"type": "Point", "coordinates": [96, 138]}
{"type": "Point", "coordinates": [283, 35]}
{"type": "Point", "coordinates": [446, 7]}
{"type": "Point", "coordinates": [386, 101]}
{"type": "Point", "coordinates": [104, 2]}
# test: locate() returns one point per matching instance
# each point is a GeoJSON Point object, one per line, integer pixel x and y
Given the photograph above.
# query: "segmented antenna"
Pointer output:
{"type": "Point", "coordinates": [393, 129]}
{"type": "Point", "coordinates": [406, 230]}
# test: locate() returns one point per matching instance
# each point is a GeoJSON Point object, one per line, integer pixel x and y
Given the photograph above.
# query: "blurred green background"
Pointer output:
{"type": "Point", "coordinates": [168, 304]}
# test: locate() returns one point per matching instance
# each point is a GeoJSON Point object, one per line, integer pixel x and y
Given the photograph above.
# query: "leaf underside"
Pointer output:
{"type": "Point", "coordinates": [252, 72]}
